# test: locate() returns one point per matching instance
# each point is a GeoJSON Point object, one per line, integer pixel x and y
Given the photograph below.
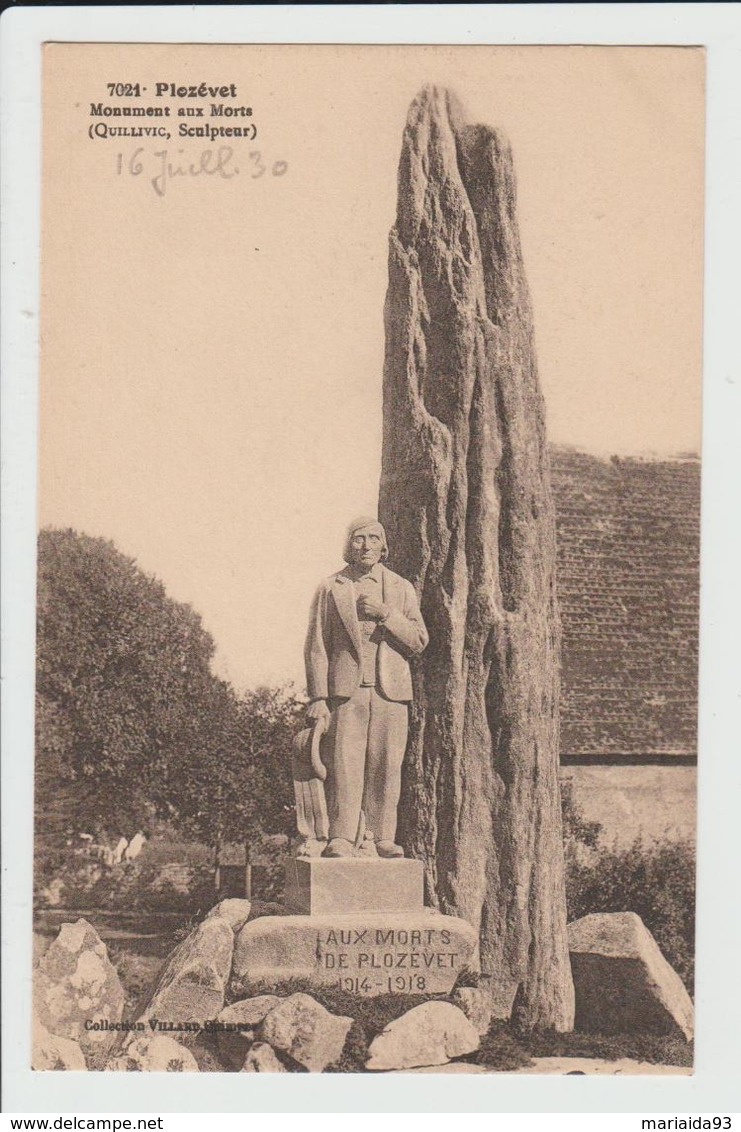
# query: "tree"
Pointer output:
{"type": "Point", "coordinates": [234, 784]}
{"type": "Point", "coordinates": [465, 497]}
{"type": "Point", "coordinates": [124, 688]}
{"type": "Point", "coordinates": [211, 796]}
{"type": "Point", "coordinates": [270, 718]}
{"type": "Point", "coordinates": [132, 723]}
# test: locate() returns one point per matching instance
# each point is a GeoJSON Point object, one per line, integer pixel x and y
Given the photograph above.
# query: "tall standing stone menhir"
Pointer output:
{"type": "Point", "coordinates": [465, 498]}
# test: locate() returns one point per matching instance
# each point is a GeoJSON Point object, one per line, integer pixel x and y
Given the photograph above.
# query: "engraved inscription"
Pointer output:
{"type": "Point", "coordinates": [372, 961]}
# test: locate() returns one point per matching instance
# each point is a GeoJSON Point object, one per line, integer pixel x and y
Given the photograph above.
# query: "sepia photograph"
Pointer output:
{"type": "Point", "coordinates": [367, 613]}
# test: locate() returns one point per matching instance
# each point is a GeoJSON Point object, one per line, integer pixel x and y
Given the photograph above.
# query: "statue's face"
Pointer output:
{"type": "Point", "coordinates": [366, 546]}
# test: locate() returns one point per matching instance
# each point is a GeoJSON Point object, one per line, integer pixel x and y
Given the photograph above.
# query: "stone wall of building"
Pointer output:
{"type": "Point", "coordinates": [652, 802]}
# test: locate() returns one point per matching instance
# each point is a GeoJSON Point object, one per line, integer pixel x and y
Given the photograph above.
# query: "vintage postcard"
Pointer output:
{"type": "Point", "coordinates": [369, 471]}
{"type": "Point", "coordinates": [367, 601]}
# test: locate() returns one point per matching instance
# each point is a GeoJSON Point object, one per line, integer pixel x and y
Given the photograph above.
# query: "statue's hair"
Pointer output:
{"type": "Point", "coordinates": [364, 521]}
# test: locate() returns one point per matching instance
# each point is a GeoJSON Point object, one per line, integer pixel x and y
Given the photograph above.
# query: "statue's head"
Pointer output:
{"type": "Point", "coordinates": [365, 543]}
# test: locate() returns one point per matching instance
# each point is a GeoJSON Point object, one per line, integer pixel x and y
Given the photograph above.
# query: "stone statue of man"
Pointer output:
{"type": "Point", "coordinates": [364, 626]}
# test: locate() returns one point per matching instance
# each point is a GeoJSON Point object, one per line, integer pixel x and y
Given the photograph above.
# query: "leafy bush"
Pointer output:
{"type": "Point", "coordinates": [656, 881]}
{"type": "Point", "coordinates": [576, 829]}
{"type": "Point", "coordinates": [133, 886]}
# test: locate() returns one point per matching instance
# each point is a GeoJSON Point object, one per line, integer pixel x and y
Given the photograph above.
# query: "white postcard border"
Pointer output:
{"type": "Point", "coordinates": [718, 27]}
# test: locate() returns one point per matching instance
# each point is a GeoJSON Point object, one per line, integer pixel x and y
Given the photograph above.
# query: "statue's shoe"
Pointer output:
{"type": "Point", "coordinates": [389, 849]}
{"type": "Point", "coordinates": [338, 847]}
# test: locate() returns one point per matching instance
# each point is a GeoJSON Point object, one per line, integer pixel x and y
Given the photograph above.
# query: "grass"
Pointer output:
{"type": "Point", "coordinates": [500, 1049]}
{"type": "Point", "coordinates": [654, 1048]}
{"type": "Point", "coordinates": [138, 974]}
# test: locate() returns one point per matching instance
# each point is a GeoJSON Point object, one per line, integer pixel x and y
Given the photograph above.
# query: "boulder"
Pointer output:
{"type": "Point", "coordinates": [623, 983]}
{"type": "Point", "coordinates": [191, 987]}
{"type": "Point", "coordinates": [475, 1002]}
{"type": "Point", "coordinates": [236, 912]}
{"type": "Point", "coordinates": [249, 1011]}
{"type": "Point", "coordinates": [154, 1054]}
{"type": "Point", "coordinates": [49, 1051]}
{"type": "Point", "coordinates": [262, 1058]}
{"type": "Point", "coordinates": [431, 1034]}
{"type": "Point", "coordinates": [300, 1027]}
{"type": "Point", "coordinates": [75, 984]}
{"type": "Point", "coordinates": [236, 1025]}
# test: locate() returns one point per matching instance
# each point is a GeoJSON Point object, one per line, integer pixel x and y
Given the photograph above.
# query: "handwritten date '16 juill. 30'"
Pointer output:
{"type": "Point", "coordinates": [162, 166]}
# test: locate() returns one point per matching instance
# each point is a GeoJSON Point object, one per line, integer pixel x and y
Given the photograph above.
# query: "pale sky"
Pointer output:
{"type": "Point", "coordinates": [211, 360]}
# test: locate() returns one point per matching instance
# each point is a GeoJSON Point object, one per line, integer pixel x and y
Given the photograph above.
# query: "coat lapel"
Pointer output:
{"type": "Point", "coordinates": [343, 593]}
{"type": "Point", "coordinates": [390, 588]}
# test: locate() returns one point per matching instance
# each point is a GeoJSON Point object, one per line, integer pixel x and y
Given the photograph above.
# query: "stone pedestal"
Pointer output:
{"type": "Point", "coordinates": [357, 923]}
{"type": "Point", "coordinates": [366, 953]}
{"type": "Point", "coordinates": [321, 885]}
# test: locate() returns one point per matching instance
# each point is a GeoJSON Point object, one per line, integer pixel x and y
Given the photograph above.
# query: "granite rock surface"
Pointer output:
{"type": "Point", "coordinates": [431, 1034]}
{"type": "Point", "coordinates": [301, 1028]}
{"type": "Point", "coordinates": [156, 1053]}
{"type": "Point", "coordinates": [75, 983]}
{"type": "Point", "coordinates": [465, 498]}
{"type": "Point", "coordinates": [49, 1051]}
{"type": "Point", "coordinates": [192, 985]}
{"type": "Point", "coordinates": [623, 983]}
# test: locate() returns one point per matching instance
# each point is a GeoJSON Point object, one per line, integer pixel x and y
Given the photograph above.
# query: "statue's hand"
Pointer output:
{"type": "Point", "coordinates": [369, 608]}
{"type": "Point", "coordinates": [319, 714]}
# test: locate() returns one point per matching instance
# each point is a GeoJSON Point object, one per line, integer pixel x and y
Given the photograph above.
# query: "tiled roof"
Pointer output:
{"type": "Point", "coordinates": [628, 583]}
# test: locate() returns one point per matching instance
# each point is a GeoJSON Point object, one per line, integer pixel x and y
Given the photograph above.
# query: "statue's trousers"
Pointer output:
{"type": "Point", "coordinates": [366, 742]}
